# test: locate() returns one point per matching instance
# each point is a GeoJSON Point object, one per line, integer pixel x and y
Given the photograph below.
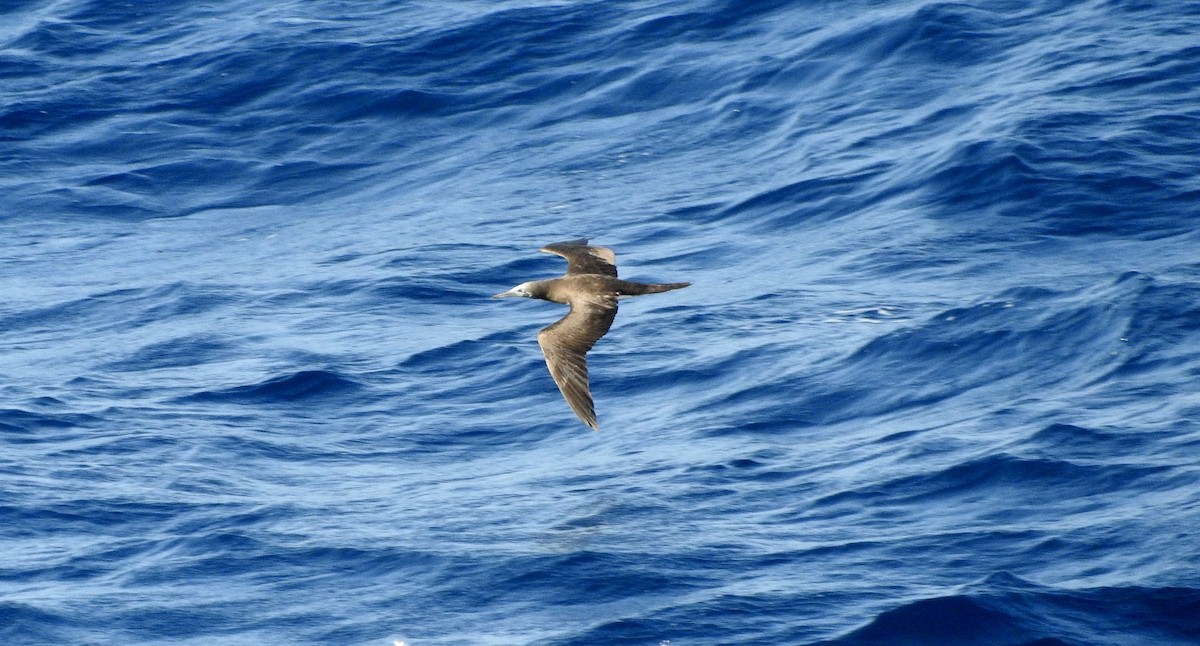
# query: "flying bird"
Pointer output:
{"type": "Point", "coordinates": [591, 288]}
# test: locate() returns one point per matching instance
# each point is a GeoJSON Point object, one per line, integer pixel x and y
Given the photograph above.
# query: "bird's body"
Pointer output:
{"type": "Point", "coordinates": [591, 288]}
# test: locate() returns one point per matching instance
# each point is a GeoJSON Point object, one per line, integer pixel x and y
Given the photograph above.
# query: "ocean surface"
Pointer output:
{"type": "Point", "coordinates": [936, 381]}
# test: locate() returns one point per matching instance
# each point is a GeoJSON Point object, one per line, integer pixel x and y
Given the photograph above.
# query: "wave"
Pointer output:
{"type": "Point", "coordinates": [1007, 611]}
{"type": "Point", "coordinates": [297, 386]}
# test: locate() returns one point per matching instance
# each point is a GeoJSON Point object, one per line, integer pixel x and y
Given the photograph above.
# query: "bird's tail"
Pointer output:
{"type": "Point", "coordinates": [637, 289]}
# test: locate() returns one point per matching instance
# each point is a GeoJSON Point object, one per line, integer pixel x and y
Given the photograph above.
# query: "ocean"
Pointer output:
{"type": "Point", "coordinates": [936, 380]}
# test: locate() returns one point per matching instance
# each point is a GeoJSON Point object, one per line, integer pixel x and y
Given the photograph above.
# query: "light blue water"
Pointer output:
{"type": "Point", "coordinates": [935, 381]}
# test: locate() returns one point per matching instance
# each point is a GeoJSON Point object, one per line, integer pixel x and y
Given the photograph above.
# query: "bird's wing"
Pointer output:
{"type": "Point", "coordinates": [582, 259]}
{"type": "Point", "coordinates": [565, 344]}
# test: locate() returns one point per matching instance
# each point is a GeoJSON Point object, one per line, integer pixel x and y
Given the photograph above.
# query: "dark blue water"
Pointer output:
{"type": "Point", "coordinates": [937, 380]}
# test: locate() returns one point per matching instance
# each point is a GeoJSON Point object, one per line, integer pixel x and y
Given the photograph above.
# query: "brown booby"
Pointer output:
{"type": "Point", "coordinates": [591, 288]}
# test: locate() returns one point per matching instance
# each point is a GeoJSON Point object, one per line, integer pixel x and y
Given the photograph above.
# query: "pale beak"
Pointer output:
{"type": "Point", "coordinates": [510, 293]}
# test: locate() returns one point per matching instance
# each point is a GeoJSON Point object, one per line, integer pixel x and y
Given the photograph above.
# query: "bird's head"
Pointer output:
{"type": "Point", "coordinates": [524, 290]}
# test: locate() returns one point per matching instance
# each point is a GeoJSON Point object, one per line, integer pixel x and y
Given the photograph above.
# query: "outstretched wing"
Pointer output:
{"type": "Point", "coordinates": [565, 344]}
{"type": "Point", "coordinates": [582, 259]}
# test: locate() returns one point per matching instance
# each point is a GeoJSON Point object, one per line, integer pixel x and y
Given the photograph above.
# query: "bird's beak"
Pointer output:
{"type": "Point", "coordinates": [510, 293]}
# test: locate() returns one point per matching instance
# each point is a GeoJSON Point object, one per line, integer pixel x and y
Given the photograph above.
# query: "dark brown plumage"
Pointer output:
{"type": "Point", "coordinates": [591, 288]}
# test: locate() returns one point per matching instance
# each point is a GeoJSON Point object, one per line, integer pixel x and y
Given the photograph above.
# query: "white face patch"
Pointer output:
{"type": "Point", "coordinates": [520, 290]}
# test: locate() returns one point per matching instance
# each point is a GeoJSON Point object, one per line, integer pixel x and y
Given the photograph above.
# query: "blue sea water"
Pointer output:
{"type": "Point", "coordinates": [937, 380]}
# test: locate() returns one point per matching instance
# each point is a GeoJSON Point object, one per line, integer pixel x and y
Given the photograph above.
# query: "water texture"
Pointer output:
{"type": "Point", "coordinates": [936, 381]}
